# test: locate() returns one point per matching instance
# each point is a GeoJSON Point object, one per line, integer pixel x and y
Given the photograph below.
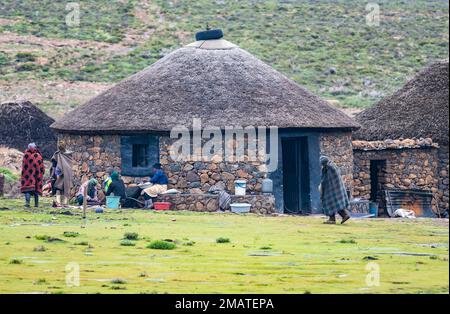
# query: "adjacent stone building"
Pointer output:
{"type": "Point", "coordinates": [128, 127]}
{"type": "Point", "coordinates": [403, 143]}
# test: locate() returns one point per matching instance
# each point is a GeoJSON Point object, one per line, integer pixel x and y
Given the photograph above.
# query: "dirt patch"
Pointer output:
{"type": "Point", "coordinates": [15, 42]}
{"type": "Point", "coordinates": [11, 159]}
{"type": "Point", "coordinates": [4, 22]}
{"type": "Point", "coordinates": [53, 97]}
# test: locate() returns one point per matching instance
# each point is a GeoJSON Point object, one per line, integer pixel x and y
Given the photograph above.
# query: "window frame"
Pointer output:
{"type": "Point", "coordinates": [126, 152]}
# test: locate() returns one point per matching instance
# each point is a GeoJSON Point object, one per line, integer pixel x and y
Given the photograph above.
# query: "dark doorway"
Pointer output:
{"type": "Point", "coordinates": [295, 175]}
{"type": "Point", "coordinates": [377, 183]}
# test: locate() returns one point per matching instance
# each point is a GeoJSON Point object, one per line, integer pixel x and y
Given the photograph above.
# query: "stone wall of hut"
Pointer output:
{"type": "Point", "coordinates": [338, 146]}
{"type": "Point", "coordinates": [199, 176]}
{"type": "Point", "coordinates": [405, 169]}
{"type": "Point", "coordinates": [443, 178]}
{"type": "Point", "coordinates": [97, 156]}
{"type": "Point", "coordinates": [93, 156]}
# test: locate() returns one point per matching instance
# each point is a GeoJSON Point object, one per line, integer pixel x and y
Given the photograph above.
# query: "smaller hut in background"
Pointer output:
{"type": "Point", "coordinates": [401, 153]}
{"type": "Point", "coordinates": [21, 123]}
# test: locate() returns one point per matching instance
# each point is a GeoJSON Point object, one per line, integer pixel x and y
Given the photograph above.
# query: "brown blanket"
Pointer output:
{"type": "Point", "coordinates": [64, 181]}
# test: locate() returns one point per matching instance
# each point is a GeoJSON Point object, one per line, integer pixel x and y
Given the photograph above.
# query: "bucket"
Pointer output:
{"type": "Point", "coordinates": [240, 187]}
{"type": "Point", "coordinates": [162, 205]}
{"type": "Point", "coordinates": [113, 202]}
{"type": "Point", "coordinates": [373, 209]}
{"type": "Point", "coordinates": [240, 208]}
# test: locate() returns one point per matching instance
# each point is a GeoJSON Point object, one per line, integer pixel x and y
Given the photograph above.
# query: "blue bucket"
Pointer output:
{"type": "Point", "coordinates": [373, 209]}
{"type": "Point", "coordinates": [113, 202]}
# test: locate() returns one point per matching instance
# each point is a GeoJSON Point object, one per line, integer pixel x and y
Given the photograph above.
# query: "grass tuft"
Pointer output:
{"type": "Point", "coordinates": [39, 248]}
{"type": "Point", "coordinates": [133, 236]}
{"type": "Point", "coordinates": [83, 243]}
{"type": "Point", "coordinates": [127, 243]}
{"type": "Point", "coordinates": [40, 281]}
{"type": "Point", "coordinates": [71, 234]}
{"type": "Point", "coordinates": [48, 238]}
{"type": "Point", "coordinates": [223, 240]}
{"type": "Point", "coordinates": [16, 261]}
{"type": "Point", "coordinates": [348, 241]}
{"type": "Point", "coordinates": [161, 245]}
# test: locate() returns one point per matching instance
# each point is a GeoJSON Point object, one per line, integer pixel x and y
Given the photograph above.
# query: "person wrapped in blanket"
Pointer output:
{"type": "Point", "coordinates": [61, 174]}
{"type": "Point", "coordinates": [159, 183]}
{"type": "Point", "coordinates": [90, 187]}
{"type": "Point", "coordinates": [32, 177]}
{"type": "Point", "coordinates": [114, 185]}
{"type": "Point", "coordinates": [332, 192]}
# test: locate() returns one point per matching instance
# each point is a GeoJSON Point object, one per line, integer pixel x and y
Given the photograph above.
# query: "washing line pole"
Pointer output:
{"type": "Point", "coordinates": [84, 203]}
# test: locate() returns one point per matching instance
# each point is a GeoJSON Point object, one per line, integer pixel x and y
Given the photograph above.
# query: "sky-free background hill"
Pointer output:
{"type": "Point", "coordinates": [324, 45]}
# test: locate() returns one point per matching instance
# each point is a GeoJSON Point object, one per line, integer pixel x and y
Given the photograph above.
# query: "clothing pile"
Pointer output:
{"type": "Point", "coordinates": [224, 197]}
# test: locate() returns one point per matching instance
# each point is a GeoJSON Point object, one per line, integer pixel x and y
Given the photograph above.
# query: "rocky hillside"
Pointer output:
{"type": "Point", "coordinates": [328, 46]}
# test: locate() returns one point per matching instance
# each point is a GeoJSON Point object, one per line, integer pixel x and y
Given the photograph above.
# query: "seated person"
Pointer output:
{"type": "Point", "coordinates": [116, 187]}
{"type": "Point", "coordinates": [106, 183]}
{"type": "Point", "coordinates": [91, 193]}
{"type": "Point", "coordinates": [159, 185]}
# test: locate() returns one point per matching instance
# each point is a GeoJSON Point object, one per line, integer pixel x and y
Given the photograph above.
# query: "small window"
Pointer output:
{"type": "Point", "coordinates": [140, 155]}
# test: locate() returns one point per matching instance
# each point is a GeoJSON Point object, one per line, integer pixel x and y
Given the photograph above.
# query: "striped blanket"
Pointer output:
{"type": "Point", "coordinates": [333, 193]}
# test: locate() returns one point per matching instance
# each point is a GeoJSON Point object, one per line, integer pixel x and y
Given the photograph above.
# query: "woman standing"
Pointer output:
{"type": "Point", "coordinates": [32, 177]}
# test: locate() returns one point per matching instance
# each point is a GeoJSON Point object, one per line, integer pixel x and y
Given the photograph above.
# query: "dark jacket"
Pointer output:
{"type": "Point", "coordinates": [118, 188]}
{"type": "Point", "coordinates": [159, 178]}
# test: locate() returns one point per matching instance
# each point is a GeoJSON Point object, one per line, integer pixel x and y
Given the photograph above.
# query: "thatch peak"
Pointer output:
{"type": "Point", "coordinates": [420, 109]}
{"type": "Point", "coordinates": [209, 79]}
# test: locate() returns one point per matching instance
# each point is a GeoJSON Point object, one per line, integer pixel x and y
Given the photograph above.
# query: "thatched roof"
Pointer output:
{"type": "Point", "coordinates": [418, 109]}
{"type": "Point", "coordinates": [22, 123]}
{"type": "Point", "coordinates": [213, 80]}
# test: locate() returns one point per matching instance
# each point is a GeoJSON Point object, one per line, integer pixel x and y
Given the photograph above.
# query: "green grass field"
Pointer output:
{"type": "Point", "coordinates": [284, 254]}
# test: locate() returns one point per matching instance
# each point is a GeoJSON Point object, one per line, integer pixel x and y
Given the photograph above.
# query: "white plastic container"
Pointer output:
{"type": "Point", "coordinates": [240, 187]}
{"type": "Point", "coordinates": [240, 208]}
{"type": "Point", "coordinates": [267, 186]}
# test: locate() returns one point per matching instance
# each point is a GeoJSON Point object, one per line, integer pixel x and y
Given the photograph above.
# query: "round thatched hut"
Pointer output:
{"type": "Point", "coordinates": [128, 126]}
{"type": "Point", "coordinates": [21, 123]}
{"type": "Point", "coordinates": [404, 139]}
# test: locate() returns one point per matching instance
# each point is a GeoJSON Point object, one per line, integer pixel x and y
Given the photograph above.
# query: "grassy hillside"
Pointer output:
{"type": "Point", "coordinates": [325, 45]}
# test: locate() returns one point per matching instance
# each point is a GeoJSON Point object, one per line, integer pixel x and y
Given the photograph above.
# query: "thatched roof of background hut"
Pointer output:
{"type": "Point", "coordinates": [213, 80]}
{"type": "Point", "coordinates": [418, 109]}
{"type": "Point", "coordinates": [22, 123]}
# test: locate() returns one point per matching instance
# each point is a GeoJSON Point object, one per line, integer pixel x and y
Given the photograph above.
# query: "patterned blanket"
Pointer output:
{"type": "Point", "coordinates": [33, 170]}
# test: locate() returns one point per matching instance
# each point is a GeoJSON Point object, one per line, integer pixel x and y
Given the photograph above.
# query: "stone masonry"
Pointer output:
{"type": "Point", "coordinates": [443, 193]}
{"type": "Point", "coordinates": [406, 169]}
{"type": "Point", "coordinates": [97, 156]}
{"type": "Point", "coordinates": [260, 204]}
{"type": "Point", "coordinates": [338, 146]}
